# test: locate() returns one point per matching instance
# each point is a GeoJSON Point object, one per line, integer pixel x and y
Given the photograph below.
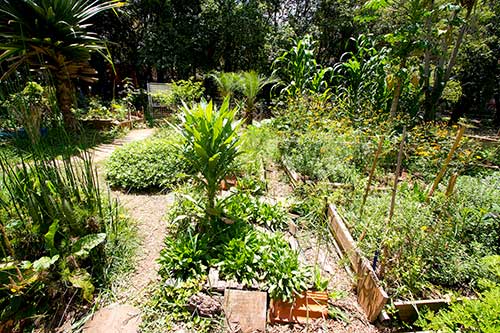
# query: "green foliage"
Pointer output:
{"type": "Point", "coordinates": [325, 156]}
{"type": "Point", "coordinates": [168, 307]}
{"type": "Point", "coordinates": [299, 71]}
{"type": "Point", "coordinates": [33, 33]}
{"type": "Point", "coordinates": [58, 235]}
{"type": "Point", "coordinates": [227, 83]}
{"type": "Point", "coordinates": [469, 315]}
{"type": "Point", "coordinates": [362, 77]}
{"type": "Point", "coordinates": [244, 207]}
{"type": "Point", "coordinates": [28, 108]}
{"type": "Point", "coordinates": [182, 91]}
{"type": "Point", "coordinates": [212, 143]}
{"type": "Point", "coordinates": [256, 257]}
{"type": "Point", "coordinates": [150, 164]}
{"type": "Point", "coordinates": [184, 256]}
{"type": "Point", "coordinates": [436, 245]}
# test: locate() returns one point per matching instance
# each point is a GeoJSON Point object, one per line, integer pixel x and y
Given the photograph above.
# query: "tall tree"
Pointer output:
{"type": "Point", "coordinates": [53, 36]}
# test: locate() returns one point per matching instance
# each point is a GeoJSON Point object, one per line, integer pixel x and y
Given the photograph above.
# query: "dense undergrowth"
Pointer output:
{"type": "Point", "coordinates": [62, 241]}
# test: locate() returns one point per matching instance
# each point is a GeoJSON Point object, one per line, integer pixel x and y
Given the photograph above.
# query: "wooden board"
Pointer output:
{"type": "Point", "coordinates": [246, 311]}
{"type": "Point", "coordinates": [408, 311]}
{"type": "Point", "coordinates": [371, 296]}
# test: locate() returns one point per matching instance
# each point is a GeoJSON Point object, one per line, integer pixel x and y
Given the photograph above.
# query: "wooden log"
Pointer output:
{"type": "Point", "coordinates": [292, 175]}
{"type": "Point", "coordinates": [371, 296]}
{"type": "Point", "coordinates": [484, 138]}
{"type": "Point", "coordinates": [408, 310]}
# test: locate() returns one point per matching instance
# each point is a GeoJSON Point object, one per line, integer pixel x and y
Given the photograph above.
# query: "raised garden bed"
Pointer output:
{"type": "Point", "coordinates": [106, 124]}
{"type": "Point", "coordinates": [371, 296]}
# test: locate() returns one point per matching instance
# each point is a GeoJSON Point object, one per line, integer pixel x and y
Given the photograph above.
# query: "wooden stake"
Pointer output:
{"type": "Point", "coordinates": [451, 184]}
{"type": "Point", "coordinates": [393, 202]}
{"type": "Point", "coordinates": [396, 177]}
{"type": "Point", "coordinates": [447, 161]}
{"type": "Point", "coordinates": [368, 184]}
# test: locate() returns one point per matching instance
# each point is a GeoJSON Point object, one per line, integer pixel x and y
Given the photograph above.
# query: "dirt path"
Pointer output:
{"type": "Point", "coordinates": [147, 211]}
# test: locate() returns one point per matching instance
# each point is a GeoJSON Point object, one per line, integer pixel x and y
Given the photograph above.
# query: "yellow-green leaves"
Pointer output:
{"type": "Point", "coordinates": [212, 141]}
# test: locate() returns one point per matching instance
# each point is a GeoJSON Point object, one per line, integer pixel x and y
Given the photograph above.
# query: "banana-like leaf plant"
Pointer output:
{"type": "Point", "coordinates": [212, 145]}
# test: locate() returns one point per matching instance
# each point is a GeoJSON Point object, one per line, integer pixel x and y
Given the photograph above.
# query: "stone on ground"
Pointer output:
{"type": "Point", "coordinates": [115, 318]}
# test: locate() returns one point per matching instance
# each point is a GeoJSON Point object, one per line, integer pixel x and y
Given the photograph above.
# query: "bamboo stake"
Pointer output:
{"type": "Point", "coordinates": [368, 185]}
{"type": "Point", "coordinates": [396, 178]}
{"type": "Point", "coordinates": [393, 204]}
{"type": "Point", "coordinates": [447, 161]}
{"type": "Point", "coordinates": [451, 184]}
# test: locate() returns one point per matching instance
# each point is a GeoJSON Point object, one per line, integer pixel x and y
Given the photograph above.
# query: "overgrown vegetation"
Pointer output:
{"type": "Point", "coordinates": [59, 237]}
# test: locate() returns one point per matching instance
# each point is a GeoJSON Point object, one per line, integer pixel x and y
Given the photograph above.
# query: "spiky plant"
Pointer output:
{"type": "Point", "coordinates": [52, 36]}
{"type": "Point", "coordinates": [251, 83]}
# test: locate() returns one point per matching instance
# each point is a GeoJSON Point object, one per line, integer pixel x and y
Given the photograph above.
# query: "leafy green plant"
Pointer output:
{"type": "Point", "coordinates": [469, 315]}
{"type": "Point", "coordinates": [243, 206]}
{"type": "Point", "coordinates": [284, 275]}
{"type": "Point", "coordinates": [184, 256]}
{"type": "Point", "coordinates": [182, 91]}
{"type": "Point", "coordinates": [32, 35]}
{"type": "Point", "coordinates": [250, 85]}
{"type": "Point", "coordinates": [227, 83]}
{"type": "Point", "coordinates": [28, 106]}
{"type": "Point", "coordinates": [150, 164]}
{"type": "Point", "coordinates": [56, 232]}
{"type": "Point", "coordinates": [212, 143]}
{"type": "Point", "coordinates": [319, 282]}
{"type": "Point", "coordinates": [241, 258]}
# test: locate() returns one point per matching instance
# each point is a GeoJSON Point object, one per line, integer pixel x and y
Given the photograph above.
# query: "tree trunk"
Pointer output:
{"type": "Point", "coordinates": [441, 80]}
{"type": "Point", "coordinates": [397, 91]}
{"type": "Point", "coordinates": [65, 98]}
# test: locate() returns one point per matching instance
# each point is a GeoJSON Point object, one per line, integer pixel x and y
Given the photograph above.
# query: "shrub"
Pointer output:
{"type": "Point", "coordinates": [470, 315]}
{"type": "Point", "coordinates": [256, 257]}
{"type": "Point", "coordinates": [150, 164]}
{"type": "Point", "coordinates": [187, 91]}
{"type": "Point", "coordinates": [244, 207]}
{"type": "Point", "coordinates": [184, 256]}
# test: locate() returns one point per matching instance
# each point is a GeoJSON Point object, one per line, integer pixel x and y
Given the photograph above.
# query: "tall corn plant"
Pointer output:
{"type": "Point", "coordinates": [212, 143]}
{"type": "Point", "coordinates": [299, 71]}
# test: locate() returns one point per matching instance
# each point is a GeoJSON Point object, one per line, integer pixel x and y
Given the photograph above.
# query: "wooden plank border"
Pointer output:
{"type": "Point", "coordinates": [371, 296]}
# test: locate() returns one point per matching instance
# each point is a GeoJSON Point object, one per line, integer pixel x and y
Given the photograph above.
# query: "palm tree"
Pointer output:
{"type": "Point", "coordinates": [227, 83]}
{"type": "Point", "coordinates": [251, 83]}
{"type": "Point", "coordinates": [52, 36]}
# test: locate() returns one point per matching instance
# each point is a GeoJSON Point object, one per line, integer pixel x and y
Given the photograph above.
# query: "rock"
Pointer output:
{"type": "Point", "coordinates": [114, 318]}
{"type": "Point", "coordinates": [205, 305]}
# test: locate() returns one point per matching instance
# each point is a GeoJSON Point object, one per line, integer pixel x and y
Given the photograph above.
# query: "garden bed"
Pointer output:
{"type": "Point", "coordinates": [371, 296]}
{"type": "Point", "coordinates": [106, 124]}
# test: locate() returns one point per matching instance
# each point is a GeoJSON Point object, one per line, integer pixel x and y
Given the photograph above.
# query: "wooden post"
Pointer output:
{"type": "Point", "coordinates": [447, 161]}
{"type": "Point", "coordinates": [451, 184]}
{"type": "Point", "coordinates": [368, 184]}
{"type": "Point", "coordinates": [396, 177]}
{"type": "Point", "coordinates": [393, 203]}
